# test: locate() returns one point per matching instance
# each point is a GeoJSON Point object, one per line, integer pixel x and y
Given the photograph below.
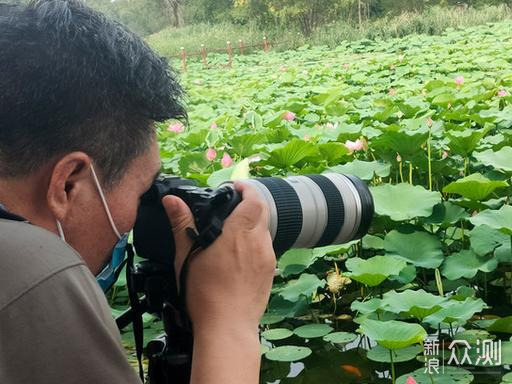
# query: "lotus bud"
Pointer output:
{"type": "Point", "coordinates": [459, 80]}
{"type": "Point", "coordinates": [289, 116]}
{"type": "Point", "coordinates": [226, 161]}
{"type": "Point", "coordinates": [176, 127]}
{"type": "Point", "coordinates": [211, 154]}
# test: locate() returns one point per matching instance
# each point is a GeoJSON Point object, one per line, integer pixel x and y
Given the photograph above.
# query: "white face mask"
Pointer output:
{"type": "Point", "coordinates": [107, 275]}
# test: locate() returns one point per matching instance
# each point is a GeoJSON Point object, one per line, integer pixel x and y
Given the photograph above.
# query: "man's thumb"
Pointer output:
{"type": "Point", "coordinates": [179, 215]}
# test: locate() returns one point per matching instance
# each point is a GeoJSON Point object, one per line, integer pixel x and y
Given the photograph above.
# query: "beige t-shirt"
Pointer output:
{"type": "Point", "coordinates": [55, 323]}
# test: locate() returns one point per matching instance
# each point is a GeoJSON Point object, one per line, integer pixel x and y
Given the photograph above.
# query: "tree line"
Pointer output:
{"type": "Point", "coordinates": [150, 16]}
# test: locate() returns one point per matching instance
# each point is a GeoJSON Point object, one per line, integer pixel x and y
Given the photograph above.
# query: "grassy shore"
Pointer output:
{"type": "Point", "coordinates": [433, 21]}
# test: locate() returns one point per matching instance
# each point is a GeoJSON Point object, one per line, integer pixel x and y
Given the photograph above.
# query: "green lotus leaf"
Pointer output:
{"type": "Point", "coordinates": [372, 242]}
{"type": "Point", "coordinates": [271, 318]}
{"type": "Point", "coordinates": [393, 334]}
{"type": "Point", "coordinates": [474, 187]}
{"type": "Point", "coordinates": [333, 152]}
{"type": "Point", "coordinates": [288, 353]}
{"type": "Point", "coordinates": [291, 153]}
{"type": "Point", "coordinates": [276, 334]}
{"type": "Point", "coordinates": [498, 160]}
{"type": "Point", "coordinates": [193, 163]}
{"type": "Point", "coordinates": [406, 275]}
{"type": "Point", "coordinates": [312, 117]}
{"type": "Point", "coordinates": [500, 219]}
{"type": "Point", "coordinates": [405, 142]}
{"type": "Point", "coordinates": [310, 331]}
{"type": "Point", "coordinates": [404, 201]}
{"type": "Point", "coordinates": [243, 145]}
{"type": "Point", "coordinates": [467, 263]}
{"type": "Point", "coordinates": [485, 239]}
{"type": "Point", "coordinates": [295, 261]}
{"type": "Point", "coordinates": [455, 311]}
{"type": "Point", "coordinates": [450, 375]}
{"type": "Point", "coordinates": [340, 337]}
{"type": "Point", "coordinates": [264, 349]}
{"type": "Point", "coordinates": [306, 285]}
{"type": "Point", "coordinates": [381, 354]}
{"type": "Point", "coordinates": [282, 307]}
{"type": "Point", "coordinates": [374, 270]}
{"type": "Point", "coordinates": [220, 176]}
{"type": "Point", "coordinates": [365, 170]}
{"type": "Point", "coordinates": [419, 248]}
{"type": "Point", "coordinates": [472, 336]}
{"type": "Point", "coordinates": [506, 352]}
{"type": "Point", "coordinates": [503, 325]}
{"type": "Point", "coordinates": [418, 303]}
{"type": "Point", "coordinates": [507, 378]}
{"type": "Point", "coordinates": [446, 214]}
{"type": "Point", "coordinates": [464, 142]}
{"type": "Point", "coordinates": [365, 307]}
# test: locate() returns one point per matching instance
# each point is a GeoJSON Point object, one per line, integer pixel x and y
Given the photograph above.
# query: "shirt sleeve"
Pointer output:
{"type": "Point", "coordinates": [62, 331]}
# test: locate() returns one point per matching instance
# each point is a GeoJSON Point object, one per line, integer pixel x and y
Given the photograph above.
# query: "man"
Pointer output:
{"type": "Point", "coordinates": [78, 99]}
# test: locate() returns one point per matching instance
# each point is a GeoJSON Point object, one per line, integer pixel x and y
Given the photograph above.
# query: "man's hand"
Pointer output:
{"type": "Point", "coordinates": [228, 287]}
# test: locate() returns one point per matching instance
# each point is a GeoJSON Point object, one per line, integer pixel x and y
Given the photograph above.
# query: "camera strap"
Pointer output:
{"type": "Point", "coordinates": [182, 294]}
{"type": "Point", "coordinates": [135, 303]}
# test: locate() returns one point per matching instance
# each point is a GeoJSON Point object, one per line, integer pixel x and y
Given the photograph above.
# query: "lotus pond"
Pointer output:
{"type": "Point", "coordinates": [426, 121]}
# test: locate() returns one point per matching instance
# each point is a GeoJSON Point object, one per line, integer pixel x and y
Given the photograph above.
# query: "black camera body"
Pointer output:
{"type": "Point", "coordinates": [152, 234]}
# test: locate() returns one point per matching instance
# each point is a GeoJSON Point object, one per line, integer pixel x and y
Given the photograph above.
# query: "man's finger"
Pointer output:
{"type": "Point", "coordinates": [180, 218]}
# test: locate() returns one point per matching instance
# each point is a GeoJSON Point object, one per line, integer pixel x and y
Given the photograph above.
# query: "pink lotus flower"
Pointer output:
{"type": "Point", "coordinates": [289, 116]}
{"type": "Point", "coordinates": [502, 93]}
{"type": "Point", "coordinates": [213, 125]}
{"type": "Point", "coordinates": [283, 68]}
{"type": "Point", "coordinates": [211, 154]}
{"type": "Point", "coordinates": [176, 127]}
{"type": "Point", "coordinates": [410, 380]}
{"type": "Point", "coordinates": [353, 146]}
{"type": "Point", "coordinates": [346, 66]}
{"type": "Point", "coordinates": [398, 158]}
{"type": "Point", "coordinates": [307, 137]}
{"type": "Point", "coordinates": [329, 126]}
{"type": "Point", "coordinates": [392, 92]}
{"type": "Point", "coordinates": [401, 58]}
{"type": "Point", "coordinates": [459, 80]}
{"type": "Point", "coordinates": [445, 154]}
{"type": "Point", "coordinates": [226, 161]}
{"type": "Point", "coordinates": [429, 122]}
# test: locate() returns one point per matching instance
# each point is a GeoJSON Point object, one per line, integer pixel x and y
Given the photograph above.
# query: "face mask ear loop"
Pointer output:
{"type": "Point", "coordinates": [61, 232]}
{"type": "Point", "coordinates": [104, 202]}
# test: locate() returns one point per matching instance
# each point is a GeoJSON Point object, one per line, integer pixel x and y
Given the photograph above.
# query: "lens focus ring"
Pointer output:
{"type": "Point", "coordinates": [289, 212]}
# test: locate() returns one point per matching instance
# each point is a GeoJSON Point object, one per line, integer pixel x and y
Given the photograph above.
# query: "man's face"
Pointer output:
{"type": "Point", "coordinates": [91, 233]}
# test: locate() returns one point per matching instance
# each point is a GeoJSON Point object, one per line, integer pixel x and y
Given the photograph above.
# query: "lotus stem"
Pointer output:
{"type": "Point", "coordinates": [429, 154]}
{"type": "Point", "coordinates": [439, 282]}
{"type": "Point", "coordinates": [392, 366]}
{"type": "Point", "coordinates": [510, 271]}
{"type": "Point", "coordinates": [401, 172]}
{"type": "Point", "coordinates": [410, 173]}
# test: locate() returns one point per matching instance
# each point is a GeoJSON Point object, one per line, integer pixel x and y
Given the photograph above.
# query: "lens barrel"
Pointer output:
{"type": "Point", "coordinates": [315, 210]}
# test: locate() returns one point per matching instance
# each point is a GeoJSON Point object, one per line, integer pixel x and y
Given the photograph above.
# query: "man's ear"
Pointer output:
{"type": "Point", "coordinates": [70, 178]}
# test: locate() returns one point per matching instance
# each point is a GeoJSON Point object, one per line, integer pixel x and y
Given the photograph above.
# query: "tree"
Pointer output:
{"type": "Point", "coordinates": [174, 9]}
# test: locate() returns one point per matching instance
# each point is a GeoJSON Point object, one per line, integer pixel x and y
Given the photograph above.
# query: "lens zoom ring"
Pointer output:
{"type": "Point", "coordinates": [289, 212]}
{"type": "Point", "coordinates": [367, 206]}
{"type": "Point", "coordinates": [335, 209]}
